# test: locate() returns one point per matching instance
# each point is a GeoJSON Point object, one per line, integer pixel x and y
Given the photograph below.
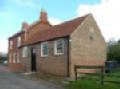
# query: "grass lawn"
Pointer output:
{"type": "Point", "coordinates": [89, 84]}
{"type": "Point", "coordinates": [114, 76]}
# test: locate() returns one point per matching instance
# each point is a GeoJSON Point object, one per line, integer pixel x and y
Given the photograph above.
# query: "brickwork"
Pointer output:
{"type": "Point", "coordinates": [13, 53]}
{"type": "Point", "coordinates": [27, 31]}
{"type": "Point", "coordinates": [87, 45]}
{"type": "Point", "coordinates": [52, 64]}
{"type": "Point", "coordinates": [84, 45]}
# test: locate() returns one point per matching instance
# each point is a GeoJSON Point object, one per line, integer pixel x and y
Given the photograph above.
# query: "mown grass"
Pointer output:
{"type": "Point", "coordinates": [111, 81]}
{"type": "Point", "coordinates": [89, 84]}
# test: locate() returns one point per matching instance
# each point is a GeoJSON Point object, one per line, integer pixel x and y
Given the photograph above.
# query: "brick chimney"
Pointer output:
{"type": "Point", "coordinates": [25, 26]}
{"type": "Point", "coordinates": [43, 16]}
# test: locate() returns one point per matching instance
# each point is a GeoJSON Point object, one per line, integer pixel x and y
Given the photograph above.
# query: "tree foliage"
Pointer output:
{"type": "Point", "coordinates": [3, 58]}
{"type": "Point", "coordinates": [113, 52]}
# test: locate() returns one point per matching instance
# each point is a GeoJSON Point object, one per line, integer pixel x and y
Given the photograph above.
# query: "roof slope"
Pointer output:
{"type": "Point", "coordinates": [60, 30]}
{"type": "Point", "coordinates": [16, 35]}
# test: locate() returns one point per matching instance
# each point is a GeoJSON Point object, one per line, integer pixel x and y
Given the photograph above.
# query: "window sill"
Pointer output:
{"type": "Point", "coordinates": [58, 54]}
{"type": "Point", "coordinates": [24, 57]}
{"type": "Point", "coordinates": [44, 56]}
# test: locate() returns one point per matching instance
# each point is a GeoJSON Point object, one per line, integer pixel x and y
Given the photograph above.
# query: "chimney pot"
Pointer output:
{"type": "Point", "coordinates": [25, 26]}
{"type": "Point", "coordinates": [43, 16]}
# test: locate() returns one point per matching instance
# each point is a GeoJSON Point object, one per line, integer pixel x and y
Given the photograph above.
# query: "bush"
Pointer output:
{"type": "Point", "coordinates": [2, 59]}
{"type": "Point", "coordinates": [88, 84]}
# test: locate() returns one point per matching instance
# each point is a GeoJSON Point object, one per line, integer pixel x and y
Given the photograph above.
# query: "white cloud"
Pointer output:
{"type": "Point", "coordinates": [107, 16]}
{"type": "Point", "coordinates": [28, 3]}
{"type": "Point", "coordinates": [54, 21]}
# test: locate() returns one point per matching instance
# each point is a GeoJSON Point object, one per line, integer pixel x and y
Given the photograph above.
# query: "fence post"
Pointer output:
{"type": "Point", "coordinates": [102, 75]}
{"type": "Point", "coordinates": [75, 71]}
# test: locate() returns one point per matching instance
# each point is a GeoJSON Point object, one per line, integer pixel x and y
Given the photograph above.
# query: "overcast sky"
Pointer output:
{"type": "Point", "coordinates": [14, 12]}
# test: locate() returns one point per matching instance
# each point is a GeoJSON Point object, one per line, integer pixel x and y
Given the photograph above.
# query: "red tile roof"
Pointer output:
{"type": "Point", "coordinates": [16, 35]}
{"type": "Point", "coordinates": [38, 23]}
{"type": "Point", "coordinates": [61, 30]}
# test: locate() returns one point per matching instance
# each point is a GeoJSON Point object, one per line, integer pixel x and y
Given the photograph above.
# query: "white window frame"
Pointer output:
{"type": "Point", "coordinates": [25, 52]}
{"type": "Point", "coordinates": [44, 55]}
{"type": "Point", "coordinates": [10, 58]}
{"type": "Point", "coordinates": [18, 57]}
{"type": "Point", "coordinates": [14, 57]}
{"type": "Point", "coordinates": [11, 44]}
{"type": "Point", "coordinates": [55, 47]}
{"type": "Point", "coordinates": [19, 41]}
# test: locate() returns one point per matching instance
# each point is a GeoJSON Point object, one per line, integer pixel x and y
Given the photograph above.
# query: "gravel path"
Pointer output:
{"type": "Point", "coordinates": [9, 80]}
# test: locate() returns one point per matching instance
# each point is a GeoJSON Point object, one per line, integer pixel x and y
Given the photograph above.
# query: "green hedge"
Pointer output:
{"type": "Point", "coordinates": [2, 59]}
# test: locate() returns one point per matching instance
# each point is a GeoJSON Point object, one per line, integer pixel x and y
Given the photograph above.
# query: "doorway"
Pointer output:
{"type": "Point", "coordinates": [33, 60]}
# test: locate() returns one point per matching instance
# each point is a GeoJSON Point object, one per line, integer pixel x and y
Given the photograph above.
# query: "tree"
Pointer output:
{"type": "Point", "coordinates": [3, 57]}
{"type": "Point", "coordinates": [113, 52]}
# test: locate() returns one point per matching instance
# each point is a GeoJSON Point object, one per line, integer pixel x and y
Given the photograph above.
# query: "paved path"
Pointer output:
{"type": "Point", "coordinates": [9, 80]}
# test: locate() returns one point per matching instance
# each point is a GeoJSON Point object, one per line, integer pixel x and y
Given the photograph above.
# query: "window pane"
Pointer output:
{"type": "Point", "coordinates": [18, 41]}
{"type": "Point", "coordinates": [59, 46]}
{"type": "Point", "coordinates": [25, 52]}
{"type": "Point", "coordinates": [11, 44]}
{"type": "Point", "coordinates": [14, 57]}
{"type": "Point", "coordinates": [18, 59]}
{"type": "Point", "coordinates": [44, 49]}
{"type": "Point", "coordinates": [10, 58]}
